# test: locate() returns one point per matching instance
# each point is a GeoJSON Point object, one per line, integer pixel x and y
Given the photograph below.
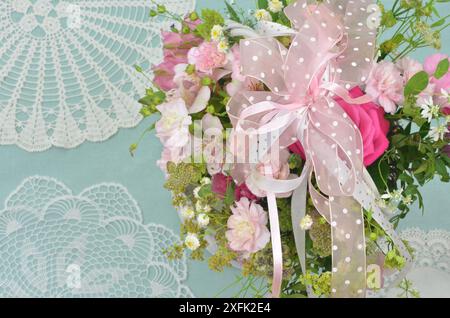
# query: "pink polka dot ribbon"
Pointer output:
{"type": "Point", "coordinates": [331, 52]}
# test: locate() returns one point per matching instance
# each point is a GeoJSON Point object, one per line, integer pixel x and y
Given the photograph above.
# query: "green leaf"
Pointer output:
{"type": "Point", "coordinates": [263, 4]}
{"type": "Point", "coordinates": [233, 14]}
{"type": "Point", "coordinates": [442, 68]}
{"type": "Point", "coordinates": [146, 100]}
{"type": "Point", "coordinates": [417, 84]}
{"type": "Point", "coordinates": [210, 18]}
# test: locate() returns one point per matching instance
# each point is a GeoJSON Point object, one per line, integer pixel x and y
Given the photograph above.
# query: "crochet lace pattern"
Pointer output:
{"type": "Point", "coordinates": [67, 68]}
{"type": "Point", "coordinates": [54, 243]}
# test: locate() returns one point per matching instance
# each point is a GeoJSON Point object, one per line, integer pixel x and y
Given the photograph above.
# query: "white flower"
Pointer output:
{"type": "Point", "coordinates": [216, 32]}
{"type": "Point", "coordinates": [407, 200]}
{"type": "Point", "coordinates": [187, 213]}
{"type": "Point", "coordinates": [196, 192]}
{"type": "Point", "coordinates": [205, 181]}
{"type": "Point", "coordinates": [395, 195]}
{"type": "Point", "coordinates": [202, 207]}
{"type": "Point", "coordinates": [173, 127]}
{"type": "Point", "coordinates": [203, 220]}
{"type": "Point", "coordinates": [306, 223]}
{"type": "Point", "coordinates": [429, 109]}
{"type": "Point", "coordinates": [438, 133]}
{"type": "Point", "coordinates": [263, 15]}
{"type": "Point", "coordinates": [223, 46]}
{"type": "Point", "coordinates": [275, 6]}
{"type": "Point", "coordinates": [191, 241]}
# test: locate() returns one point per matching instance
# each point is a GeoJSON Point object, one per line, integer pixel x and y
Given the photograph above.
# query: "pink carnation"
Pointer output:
{"type": "Point", "coordinates": [207, 57]}
{"type": "Point", "coordinates": [409, 67]}
{"type": "Point", "coordinates": [369, 118]}
{"type": "Point", "coordinates": [247, 230]}
{"type": "Point", "coordinates": [385, 85]}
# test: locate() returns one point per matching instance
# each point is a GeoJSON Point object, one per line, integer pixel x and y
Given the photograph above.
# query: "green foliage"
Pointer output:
{"type": "Point", "coordinates": [442, 68]}
{"type": "Point", "coordinates": [414, 24]}
{"type": "Point", "coordinates": [417, 84]}
{"type": "Point", "coordinates": [182, 175]}
{"type": "Point", "coordinates": [320, 283]}
{"type": "Point", "coordinates": [210, 18]}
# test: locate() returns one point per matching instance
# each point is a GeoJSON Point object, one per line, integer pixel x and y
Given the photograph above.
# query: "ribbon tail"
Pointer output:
{"type": "Point", "coordinates": [276, 245]}
{"type": "Point", "coordinates": [298, 212]}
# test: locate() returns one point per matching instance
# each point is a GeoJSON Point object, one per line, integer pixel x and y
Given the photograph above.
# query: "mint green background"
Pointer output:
{"type": "Point", "coordinates": [110, 162]}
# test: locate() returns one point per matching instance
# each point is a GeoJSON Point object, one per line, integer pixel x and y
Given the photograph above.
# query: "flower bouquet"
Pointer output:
{"type": "Point", "coordinates": [297, 135]}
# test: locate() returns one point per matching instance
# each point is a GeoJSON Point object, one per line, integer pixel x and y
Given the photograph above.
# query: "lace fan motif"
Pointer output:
{"type": "Point", "coordinates": [430, 271]}
{"type": "Point", "coordinates": [66, 68]}
{"type": "Point", "coordinates": [57, 244]}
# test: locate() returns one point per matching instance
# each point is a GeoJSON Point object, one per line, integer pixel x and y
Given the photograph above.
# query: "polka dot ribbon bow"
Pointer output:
{"type": "Point", "coordinates": [331, 50]}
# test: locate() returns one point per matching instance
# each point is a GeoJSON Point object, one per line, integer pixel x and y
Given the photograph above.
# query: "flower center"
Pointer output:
{"type": "Point", "coordinates": [244, 228]}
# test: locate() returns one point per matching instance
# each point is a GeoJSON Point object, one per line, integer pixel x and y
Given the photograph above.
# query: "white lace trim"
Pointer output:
{"type": "Point", "coordinates": [430, 272]}
{"type": "Point", "coordinates": [66, 68]}
{"type": "Point", "coordinates": [54, 243]}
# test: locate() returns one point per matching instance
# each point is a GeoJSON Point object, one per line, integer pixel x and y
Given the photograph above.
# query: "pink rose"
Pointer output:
{"type": "Point", "coordinates": [372, 125]}
{"type": "Point", "coordinates": [242, 191]}
{"type": "Point", "coordinates": [207, 57]}
{"type": "Point", "coordinates": [176, 47]}
{"type": "Point", "coordinates": [430, 67]}
{"type": "Point", "coordinates": [220, 184]}
{"type": "Point", "coordinates": [247, 227]}
{"type": "Point", "coordinates": [385, 85]}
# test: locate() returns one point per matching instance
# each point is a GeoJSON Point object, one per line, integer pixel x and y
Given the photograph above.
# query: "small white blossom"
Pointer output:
{"type": "Point", "coordinates": [196, 192]}
{"type": "Point", "coordinates": [216, 32]}
{"type": "Point", "coordinates": [306, 223]}
{"type": "Point", "coordinates": [205, 181]}
{"type": "Point", "coordinates": [187, 213]}
{"type": "Point", "coordinates": [429, 109]}
{"type": "Point", "coordinates": [275, 6]}
{"type": "Point", "coordinates": [223, 46]}
{"type": "Point", "coordinates": [191, 241]}
{"type": "Point", "coordinates": [203, 220]}
{"type": "Point", "coordinates": [395, 195]}
{"type": "Point", "coordinates": [263, 15]}
{"type": "Point", "coordinates": [438, 133]}
{"type": "Point", "coordinates": [202, 207]}
{"type": "Point", "coordinates": [407, 200]}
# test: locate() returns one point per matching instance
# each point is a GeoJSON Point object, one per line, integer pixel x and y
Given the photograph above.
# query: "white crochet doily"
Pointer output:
{"type": "Point", "coordinates": [67, 68]}
{"type": "Point", "coordinates": [54, 243]}
{"type": "Point", "coordinates": [430, 271]}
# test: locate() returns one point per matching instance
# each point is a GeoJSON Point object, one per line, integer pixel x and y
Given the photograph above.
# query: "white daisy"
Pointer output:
{"type": "Point", "coordinates": [203, 220]}
{"type": "Point", "coordinates": [187, 213]}
{"type": "Point", "coordinates": [275, 6]}
{"type": "Point", "coordinates": [192, 242]}
{"type": "Point", "coordinates": [263, 15]}
{"type": "Point", "coordinates": [216, 32]}
{"type": "Point", "coordinates": [306, 223]}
